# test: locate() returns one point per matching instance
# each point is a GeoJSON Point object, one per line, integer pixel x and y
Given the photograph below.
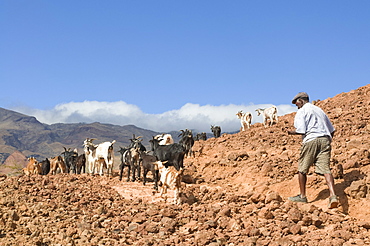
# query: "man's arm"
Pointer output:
{"type": "Point", "coordinates": [294, 133]}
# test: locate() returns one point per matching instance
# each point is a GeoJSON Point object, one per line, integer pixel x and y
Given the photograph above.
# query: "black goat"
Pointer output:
{"type": "Point", "coordinates": [187, 141]}
{"type": "Point", "coordinates": [130, 158]}
{"type": "Point", "coordinates": [45, 166]}
{"type": "Point", "coordinates": [148, 165]}
{"type": "Point", "coordinates": [81, 164]}
{"type": "Point", "coordinates": [201, 136]}
{"type": "Point", "coordinates": [70, 158]}
{"type": "Point", "coordinates": [125, 162]}
{"type": "Point", "coordinates": [173, 153]}
{"type": "Point", "coordinates": [216, 130]}
{"type": "Point", "coordinates": [136, 142]}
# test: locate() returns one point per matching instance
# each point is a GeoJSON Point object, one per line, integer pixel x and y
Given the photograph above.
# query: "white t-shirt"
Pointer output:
{"type": "Point", "coordinates": [312, 121]}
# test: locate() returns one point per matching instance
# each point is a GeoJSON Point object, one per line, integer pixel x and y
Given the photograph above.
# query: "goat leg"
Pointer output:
{"type": "Point", "coordinates": [121, 172]}
{"type": "Point", "coordinates": [156, 176]}
{"type": "Point", "coordinates": [176, 197]}
{"type": "Point", "coordinates": [145, 172]}
{"type": "Point", "coordinates": [128, 173]}
{"type": "Point", "coordinates": [138, 171]}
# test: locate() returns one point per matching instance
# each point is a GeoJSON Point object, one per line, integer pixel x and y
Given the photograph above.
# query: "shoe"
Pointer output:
{"type": "Point", "coordinates": [298, 198]}
{"type": "Point", "coordinates": [333, 202]}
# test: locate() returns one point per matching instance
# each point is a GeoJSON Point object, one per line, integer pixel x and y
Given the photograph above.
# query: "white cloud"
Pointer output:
{"type": "Point", "coordinates": [191, 116]}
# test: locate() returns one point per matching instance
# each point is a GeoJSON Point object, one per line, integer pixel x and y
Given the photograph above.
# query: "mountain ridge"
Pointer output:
{"type": "Point", "coordinates": [23, 133]}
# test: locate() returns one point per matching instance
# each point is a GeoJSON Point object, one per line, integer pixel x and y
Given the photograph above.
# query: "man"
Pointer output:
{"type": "Point", "coordinates": [317, 131]}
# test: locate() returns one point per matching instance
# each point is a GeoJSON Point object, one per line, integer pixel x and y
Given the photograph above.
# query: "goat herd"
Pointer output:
{"type": "Point", "coordinates": [165, 163]}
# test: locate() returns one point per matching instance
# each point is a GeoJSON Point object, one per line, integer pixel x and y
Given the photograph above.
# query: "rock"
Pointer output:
{"type": "Point", "coordinates": [133, 227]}
{"type": "Point", "coordinates": [211, 223]}
{"type": "Point", "coordinates": [203, 237]}
{"type": "Point", "coordinates": [316, 221]}
{"type": "Point", "coordinates": [350, 164]}
{"type": "Point", "coordinates": [235, 225]}
{"type": "Point", "coordinates": [265, 213]}
{"type": "Point", "coordinates": [168, 224]}
{"type": "Point", "coordinates": [295, 229]}
{"type": "Point", "coordinates": [223, 222]}
{"type": "Point", "coordinates": [168, 212]}
{"type": "Point", "coordinates": [188, 198]}
{"type": "Point", "coordinates": [354, 144]}
{"type": "Point", "coordinates": [272, 196]}
{"type": "Point", "coordinates": [343, 234]}
{"type": "Point", "coordinates": [266, 169]}
{"type": "Point", "coordinates": [189, 227]}
{"type": "Point", "coordinates": [306, 220]}
{"type": "Point", "coordinates": [225, 212]}
{"type": "Point", "coordinates": [139, 218]}
{"type": "Point", "coordinates": [253, 232]}
{"type": "Point", "coordinates": [257, 197]}
{"type": "Point", "coordinates": [364, 224]}
{"type": "Point", "coordinates": [14, 216]}
{"type": "Point", "coordinates": [232, 156]}
{"type": "Point", "coordinates": [358, 189]}
{"type": "Point", "coordinates": [294, 215]}
{"type": "Point", "coordinates": [152, 227]}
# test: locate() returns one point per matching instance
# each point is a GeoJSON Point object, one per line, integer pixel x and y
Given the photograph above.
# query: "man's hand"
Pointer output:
{"type": "Point", "coordinates": [292, 132]}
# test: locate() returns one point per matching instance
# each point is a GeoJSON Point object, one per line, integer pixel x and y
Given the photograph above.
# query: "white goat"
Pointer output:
{"type": "Point", "coordinates": [170, 178]}
{"type": "Point", "coordinates": [102, 154]}
{"type": "Point", "coordinates": [89, 150]}
{"type": "Point", "coordinates": [268, 114]}
{"type": "Point", "coordinates": [245, 119]}
{"type": "Point", "coordinates": [164, 139]}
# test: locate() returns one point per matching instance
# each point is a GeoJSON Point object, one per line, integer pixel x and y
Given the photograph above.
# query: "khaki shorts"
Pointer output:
{"type": "Point", "coordinates": [316, 152]}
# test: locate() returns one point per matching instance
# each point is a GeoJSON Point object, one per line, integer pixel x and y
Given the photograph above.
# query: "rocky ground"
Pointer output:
{"type": "Point", "coordinates": [235, 193]}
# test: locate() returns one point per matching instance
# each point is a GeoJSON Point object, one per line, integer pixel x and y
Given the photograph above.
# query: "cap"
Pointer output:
{"type": "Point", "coordinates": [300, 95]}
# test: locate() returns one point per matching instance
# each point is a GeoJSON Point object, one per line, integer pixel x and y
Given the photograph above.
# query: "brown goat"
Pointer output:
{"type": "Point", "coordinates": [170, 178]}
{"type": "Point", "coordinates": [56, 162]}
{"type": "Point", "coordinates": [33, 167]}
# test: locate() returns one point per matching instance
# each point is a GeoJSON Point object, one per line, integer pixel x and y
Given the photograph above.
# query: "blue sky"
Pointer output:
{"type": "Point", "coordinates": [170, 65]}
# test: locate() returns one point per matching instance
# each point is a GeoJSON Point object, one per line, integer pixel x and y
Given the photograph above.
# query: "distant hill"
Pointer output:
{"type": "Point", "coordinates": [14, 164]}
{"type": "Point", "coordinates": [19, 132]}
